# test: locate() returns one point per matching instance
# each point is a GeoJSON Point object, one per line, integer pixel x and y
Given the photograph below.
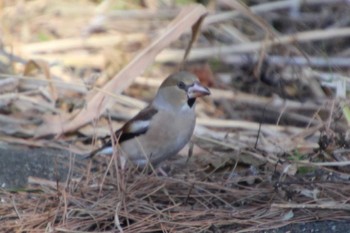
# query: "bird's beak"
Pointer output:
{"type": "Point", "coordinates": [197, 90]}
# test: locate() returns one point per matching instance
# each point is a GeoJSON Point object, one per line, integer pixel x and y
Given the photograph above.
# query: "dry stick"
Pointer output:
{"type": "Point", "coordinates": [65, 208]}
{"type": "Point", "coordinates": [79, 60]}
{"type": "Point", "coordinates": [175, 55]}
{"type": "Point", "coordinates": [314, 116]}
{"type": "Point", "coordinates": [195, 33]}
{"type": "Point", "coordinates": [116, 218]}
{"type": "Point", "coordinates": [43, 182]}
{"type": "Point", "coordinates": [69, 173]}
{"type": "Point", "coordinates": [235, 33]}
{"type": "Point", "coordinates": [143, 14]}
{"type": "Point", "coordinates": [189, 194]}
{"type": "Point", "coordinates": [259, 129]}
{"type": "Point", "coordinates": [327, 78]}
{"type": "Point", "coordinates": [328, 125]}
{"type": "Point", "coordinates": [246, 125]}
{"type": "Point", "coordinates": [322, 62]}
{"type": "Point", "coordinates": [61, 229]}
{"type": "Point", "coordinates": [257, 19]}
{"type": "Point", "coordinates": [15, 208]}
{"type": "Point", "coordinates": [326, 164]}
{"type": "Point", "coordinates": [264, 7]}
{"type": "Point", "coordinates": [8, 85]}
{"type": "Point", "coordinates": [77, 86]}
{"type": "Point", "coordinates": [8, 119]}
{"type": "Point", "coordinates": [21, 96]}
{"type": "Point", "coordinates": [77, 43]}
{"type": "Point", "coordinates": [326, 206]}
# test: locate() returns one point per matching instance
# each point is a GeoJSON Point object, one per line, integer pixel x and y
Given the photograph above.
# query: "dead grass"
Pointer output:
{"type": "Point", "coordinates": [190, 201]}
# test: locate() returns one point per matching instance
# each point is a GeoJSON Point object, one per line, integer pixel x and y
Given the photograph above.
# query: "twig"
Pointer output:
{"type": "Point", "coordinates": [329, 206]}
{"type": "Point", "coordinates": [326, 164]}
{"type": "Point", "coordinates": [319, 62]}
{"type": "Point", "coordinates": [76, 43]}
{"type": "Point", "coordinates": [176, 55]}
{"type": "Point", "coordinates": [116, 218]}
{"type": "Point", "coordinates": [15, 207]}
{"type": "Point", "coordinates": [264, 7]}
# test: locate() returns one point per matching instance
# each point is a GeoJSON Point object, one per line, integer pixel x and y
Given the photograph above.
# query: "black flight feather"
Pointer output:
{"type": "Point", "coordinates": [126, 132]}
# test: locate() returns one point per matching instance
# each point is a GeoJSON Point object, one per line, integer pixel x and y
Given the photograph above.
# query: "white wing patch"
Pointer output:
{"type": "Point", "coordinates": [138, 126]}
{"type": "Point", "coordinates": [106, 151]}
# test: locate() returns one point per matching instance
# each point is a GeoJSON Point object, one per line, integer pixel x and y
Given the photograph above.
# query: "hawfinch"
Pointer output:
{"type": "Point", "coordinates": [163, 128]}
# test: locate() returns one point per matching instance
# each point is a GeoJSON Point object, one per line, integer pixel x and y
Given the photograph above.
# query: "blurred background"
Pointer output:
{"type": "Point", "coordinates": [277, 120]}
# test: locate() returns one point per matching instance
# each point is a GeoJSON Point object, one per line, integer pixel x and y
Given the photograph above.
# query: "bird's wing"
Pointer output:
{"type": "Point", "coordinates": [136, 126]}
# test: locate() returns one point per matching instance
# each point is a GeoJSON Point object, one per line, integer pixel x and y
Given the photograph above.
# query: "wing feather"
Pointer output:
{"type": "Point", "coordinates": [136, 126]}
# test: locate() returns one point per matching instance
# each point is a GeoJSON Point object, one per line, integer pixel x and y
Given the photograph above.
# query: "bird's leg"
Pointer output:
{"type": "Point", "coordinates": [162, 172]}
{"type": "Point", "coordinates": [190, 151]}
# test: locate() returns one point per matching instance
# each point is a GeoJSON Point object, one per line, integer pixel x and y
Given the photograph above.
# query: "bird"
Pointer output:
{"type": "Point", "coordinates": [164, 127]}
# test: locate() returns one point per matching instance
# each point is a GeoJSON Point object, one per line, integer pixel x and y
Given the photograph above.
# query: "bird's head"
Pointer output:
{"type": "Point", "coordinates": [180, 89]}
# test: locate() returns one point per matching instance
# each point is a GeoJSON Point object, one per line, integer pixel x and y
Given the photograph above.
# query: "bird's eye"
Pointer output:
{"type": "Point", "coordinates": [181, 85]}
